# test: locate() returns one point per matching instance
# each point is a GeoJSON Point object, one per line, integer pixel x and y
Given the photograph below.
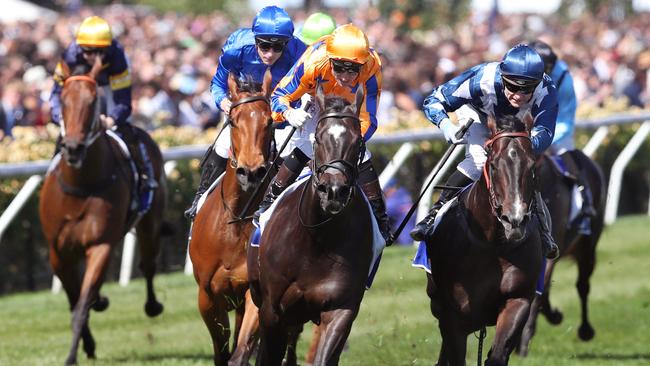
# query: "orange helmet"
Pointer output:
{"type": "Point", "coordinates": [348, 43]}
{"type": "Point", "coordinates": [94, 32]}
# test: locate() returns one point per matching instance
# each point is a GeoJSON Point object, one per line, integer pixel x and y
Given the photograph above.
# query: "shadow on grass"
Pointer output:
{"type": "Point", "coordinates": [613, 356]}
{"type": "Point", "coordinates": [155, 358]}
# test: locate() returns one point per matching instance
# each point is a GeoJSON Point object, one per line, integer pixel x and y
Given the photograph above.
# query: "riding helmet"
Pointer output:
{"type": "Point", "coordinates": [522, 63]}
{"type": "Point", "coordinates": [273, 23]}
{"type": "Point", "coordinates": [348, 43]}
{"type": "Point", "coordinates": [315, 26]}
{"type": "Point", "coordinates": [94, 32]}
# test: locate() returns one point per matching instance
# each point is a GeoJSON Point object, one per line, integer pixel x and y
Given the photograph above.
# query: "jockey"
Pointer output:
{"type": "Point", "coordinates": [247, 51]}
{"type": "Point", "coordinates": [341, 62]}
{"type": "Point", "coordinates": [515, 86]}
{"type": "Point", "coordinates": [563, 141]}
{"type": "Point", "coordinates": [94, 39]}
{"type": "Point", "coordinates": [315, 26]}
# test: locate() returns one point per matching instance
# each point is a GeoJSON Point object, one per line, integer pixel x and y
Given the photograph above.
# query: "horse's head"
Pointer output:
{"type": "Point", "coordinates": [509, 174]}
{"type": "Point", "coordinates": [252, 129]}
{"type": "Point", "coordinates": [338, 148]}
{"type": "Point", "coordinates": [80, 125]}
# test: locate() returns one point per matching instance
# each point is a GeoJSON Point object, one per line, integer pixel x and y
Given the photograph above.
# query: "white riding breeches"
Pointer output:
{"type": "Point", "coordinates": [476, 135]}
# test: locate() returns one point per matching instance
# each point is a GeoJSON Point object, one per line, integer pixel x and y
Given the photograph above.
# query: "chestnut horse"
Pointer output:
{"type": "Point", "coordinates": [486, 251]}
{"type": "Point", "coordinates": [85, 207]}
{"type": "Point", "coordinates": [316, 248]}
{"type": "Point", "coordinates": [557, 191]}
{"type": "Point", "coordinates": [217, 247]}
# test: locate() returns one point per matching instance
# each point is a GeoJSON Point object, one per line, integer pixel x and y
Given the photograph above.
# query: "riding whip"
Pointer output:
{"type": "Point", "coordinates": [273, 167]}
{"type": "Point", "coordinates": [459, 134]}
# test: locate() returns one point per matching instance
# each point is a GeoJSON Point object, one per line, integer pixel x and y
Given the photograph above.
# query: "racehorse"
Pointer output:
{"type": "Point", "coordinates": [85, 206]}
{"type": "Point", "coordinates": [485, 254]}
{"type": "Point", "coordinates": [217, 247]}
{"type": "Point", "coordinates": [314, 266]}
{"type": "Point", "coordinates": [557, 192]}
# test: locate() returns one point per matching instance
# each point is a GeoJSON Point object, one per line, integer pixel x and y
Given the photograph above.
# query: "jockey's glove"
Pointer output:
{"type": "Point", "coordinates": [296, 117]}
{"type": "Point", "coordinates": [449, 129]}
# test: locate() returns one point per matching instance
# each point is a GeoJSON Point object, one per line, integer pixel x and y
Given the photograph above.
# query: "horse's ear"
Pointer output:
{"type": "Point", "coordinates": [320, 97]}
{"type": "Point", "coordinates": [266, 84]}
{"type": "Point", "coordinates": [358, 99]}
{"type": "Point", "coordinates": [529, 122]}
{"type": "Point", "coordinates": [233, 87]}
{"type": "Point", "coordinates": [96, 69]}
{"type": "Point", "coordinates": [492, 124]}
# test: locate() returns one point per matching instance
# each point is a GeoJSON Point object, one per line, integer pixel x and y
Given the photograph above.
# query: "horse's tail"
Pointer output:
{"type": "Point", "coordinates": [167, 228]}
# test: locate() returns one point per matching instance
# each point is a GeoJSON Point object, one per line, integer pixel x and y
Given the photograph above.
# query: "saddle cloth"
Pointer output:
{"type": "Point", "coordinates": [378, 242]}
{"type": "Point", "coordinates": [421, 259]}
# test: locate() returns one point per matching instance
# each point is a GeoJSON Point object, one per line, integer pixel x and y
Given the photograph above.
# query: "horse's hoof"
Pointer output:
{"type": "Point", "coordinates": [586, 332]}
{"type": "Point", "coordinates": [554, 317]}
{"type": "Point", "coordinates": [101, 304]}
{"type": "Point", "coordinates": [153, 308]}
{"type": "Point", "coordinates": [71, 360]}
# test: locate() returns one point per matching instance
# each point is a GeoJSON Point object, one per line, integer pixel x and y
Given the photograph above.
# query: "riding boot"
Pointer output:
{"type": "Point", "coordinates": [212, 166]}
{"type": "Point", "coordinates": [280, 182]}
{"type": "Point", "coordinates": [422, 230]}
{"type": "Point", "coordinates": [549, 248]}
{"type": "Point", "coordinates": [373, 192]}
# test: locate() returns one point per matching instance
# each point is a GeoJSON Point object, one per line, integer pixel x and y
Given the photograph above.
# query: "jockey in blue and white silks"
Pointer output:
{"type": "Point", "coordinates": [247, 52]}
{"type": "Point", "coordinates": [564, 140]}
{"type": "Point", "coordinates": [515, 86]}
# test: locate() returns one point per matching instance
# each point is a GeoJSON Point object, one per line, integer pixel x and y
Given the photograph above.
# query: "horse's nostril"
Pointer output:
{"type": "Point", "coordinates": [344, 191]}
{"type": "Point", "coordinates": [506, 219]}
{"type": "Point", "coordinates": [240, 171]}
{"type": "Point", "coordinates": [260, 173]}
{"type": "Point", "coordinates": [321, 188]}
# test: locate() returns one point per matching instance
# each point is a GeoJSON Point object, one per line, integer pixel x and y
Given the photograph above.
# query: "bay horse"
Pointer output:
{"type": "Point", "coordinates": [485, 254]}
{"type": "Point", "coordinates": [316, 248]}
{"type": "Point", "coordinates": [85, 207]}
{"type": "Point", "coordinates": [218, 247]}
{"type": "Point", "coordinates": [557, 192]}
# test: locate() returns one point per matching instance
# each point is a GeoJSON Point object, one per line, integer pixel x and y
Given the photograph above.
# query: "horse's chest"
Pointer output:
{"type": "Point", "coordinates": [92, 224]}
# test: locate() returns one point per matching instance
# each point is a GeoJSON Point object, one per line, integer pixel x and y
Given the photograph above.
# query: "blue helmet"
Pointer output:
{"type": "Point", "coordinates": [522, 62]}
{"type": "Point", "coordinates": [272, 22]}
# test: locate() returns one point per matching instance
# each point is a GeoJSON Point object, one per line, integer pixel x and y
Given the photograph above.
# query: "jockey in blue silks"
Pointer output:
{"type": "Point", "coordinates": [94, 39]}
{"type": "Point", "coordinates": [564, 140]}
{"type": "Point", "coordinates": [515, 86]}
{"type": "Point", "coordinates": [269, 43]}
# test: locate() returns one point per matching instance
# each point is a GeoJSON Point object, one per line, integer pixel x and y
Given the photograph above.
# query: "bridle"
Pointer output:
{"type": "Point", "coordinates": [251, 99]}
{"type": "Point", "coordinates": [96, 129]}
{"type": "Point", "coordinates": [487, 172]}
{"type": "Point", "coordinates": [349, 170]}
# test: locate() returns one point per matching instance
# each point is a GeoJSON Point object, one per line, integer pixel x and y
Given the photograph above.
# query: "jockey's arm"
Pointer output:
{"type": "Point", "coordinates": [567, 104]}
{"type": "Point", "coordinates": [228, 62]}
{"type": "Point", "coordinates": [451, 95]}
{"type": "Point", "coordinates": [368, 114]}
{"type": "Point", "coordinates": [544, 112]}
{"type": "Point", "coordinates": [120, 84]}
{"type": "Point", "coordinates": [289, 90]}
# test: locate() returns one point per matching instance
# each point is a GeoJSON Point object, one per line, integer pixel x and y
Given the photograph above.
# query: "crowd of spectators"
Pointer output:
{"type": "Point", "coordinates": [173, 57]}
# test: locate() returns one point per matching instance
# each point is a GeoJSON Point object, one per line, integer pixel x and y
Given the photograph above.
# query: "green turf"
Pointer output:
{"type": "Point", "coordinates": [394, 326]}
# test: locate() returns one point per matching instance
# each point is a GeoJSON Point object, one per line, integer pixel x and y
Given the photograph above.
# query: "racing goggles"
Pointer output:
{"type": "Point", "coordinates": [520, 85]}
{"type": "Point", "coordinates": [93, 50]}
{"type": "Point", "coordinates": [266, 45]}
{"type": "Point", "coordinates": [340, 66]}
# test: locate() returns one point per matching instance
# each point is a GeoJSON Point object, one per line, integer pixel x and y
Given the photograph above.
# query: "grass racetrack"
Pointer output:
{"type": "Point", "coordinates": [394, 326]}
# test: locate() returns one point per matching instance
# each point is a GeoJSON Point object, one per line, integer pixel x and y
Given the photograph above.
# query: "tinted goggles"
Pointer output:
{"type": "Point", "coordinates": [93, 50]}
{"type": "Point", "coordinates": [519, 86]}
{"type": "Point", "coordinates": [340, 67]}
{"type": "Point", "coordinates": [265, 46]}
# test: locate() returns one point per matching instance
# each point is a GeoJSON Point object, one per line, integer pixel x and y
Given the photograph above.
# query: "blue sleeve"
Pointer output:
{"type": "Point", "coordinates": [229, 61]}
{"type": "Point", "coordinates": [372, 100]}
{"type": "Point", "coordinates": [452, 95]}
{"type": "Point", "coordinates": [122, 108]}
{"type": "Point", "coordinates": [120, 84]}
{"type": "Point", "coordinates": [544, 112]}
{"type": "Point", "coordinates": [566, 108]}
{"type": "Point", "coordinates": [55, 104]}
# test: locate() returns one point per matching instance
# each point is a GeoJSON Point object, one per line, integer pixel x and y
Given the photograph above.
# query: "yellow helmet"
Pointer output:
{"type": "Point", "coordinates": [94, 32]}
{"type": "Point", "coordinates": [348, 43]}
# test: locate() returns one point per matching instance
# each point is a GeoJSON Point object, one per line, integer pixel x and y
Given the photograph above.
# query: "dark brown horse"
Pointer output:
{"type": "Point", "coordinates": [217, 248]}
{"type": "Point", "coordinates": [316, 249]}
{"type": "Point", "coordinates": [84, 207]}
{"type": "Point", "coordinates": [557, 191]}
{"type": "Point", "coordinates": [486, 251]}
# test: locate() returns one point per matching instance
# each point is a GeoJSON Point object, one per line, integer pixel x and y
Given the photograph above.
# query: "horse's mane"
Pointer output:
{"type": "Point", "coordinates": [248, 85]}
{"type": "Point", "coordinates": [510, 123]}
{"type": "Point", "coordinates": [335, 103]}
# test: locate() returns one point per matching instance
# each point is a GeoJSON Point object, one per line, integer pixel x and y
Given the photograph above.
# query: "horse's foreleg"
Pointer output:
{"type": "Point", "coordinates": [313, 346]}
{"type": "Point", "coordinates": [510, 322]}
{"type": "Point", "coordinates": [336, 328]}
{"type": "Point", "coordinates": [454, 342]}
{"type": "Point", "coordinates": [553, 316]}
{"type": "Point", "coordinates": [247, 333]}
{"type": "Point", "coordinates": [96, 264]}
{"type": "Point", "coordinates": [215, 316]}
{"type": "Point", "coordinates": [273, 337]}
{"type": "Point", "coordinates": [586, 258]}
{"type": "Point", "coordinates": [148, 233]}
{"type": "Point", "coordinates": [529, 328]}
